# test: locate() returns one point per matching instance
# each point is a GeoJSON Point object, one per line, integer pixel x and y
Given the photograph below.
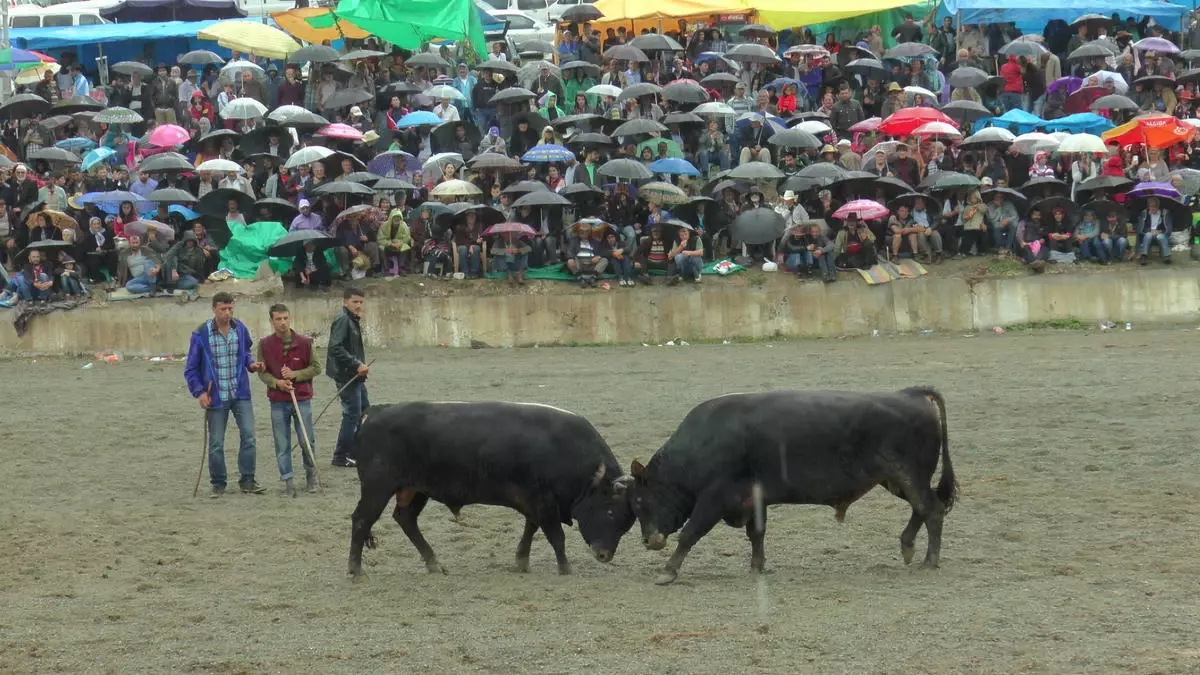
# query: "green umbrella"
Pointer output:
{"type": "Point", "coordinates": [673, 149]}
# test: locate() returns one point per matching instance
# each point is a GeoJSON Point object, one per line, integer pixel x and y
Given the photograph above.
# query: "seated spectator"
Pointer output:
{"type": "Point", "coordinates": [100, 252]}
{"type": "Point", "coordinates": [687, 256]}
{"type": "Point", "coordinates": [854, 245]}
{"type": "Point", "coordinates": [1087, 237]}
{"type": "Point", "coordinates": [584, 257]}
{"type": "Point", "coordinates": [973, 226]}
{"type": "Point", "coordinates": [1031, 242]}
{"type": "Point", "coordinates": [753, 142]}
{"type": "Point", "coordinates": [70, 281]}
{"type": "Point", "coordinates": [438, 261]}
{"type": "Point", "coordinates": [468, 247]}
{"type": "Point", "coordinates": [1114, 239]}
{"type": "Point", "coordinates": [311, 268]}
{"type": "Point", "coordinates": [142, 266]}
{"type": "Point", "coordinates": [510, 255]}
{"type": "Point", "coordinates": [1002, 217]}
{"type": "Point", "coordinates": [619, 252]}
{"type": "Point", "coordinates": [356, 245]}
{"type": "Point", "coordinates": [184, 263]}
{"type": "Point", "coordinates": [901, 228]}
{"type": "Point", "coordinates": [929, 238]}
{"type": "Point", "coordinates": [651, 254]}
{"type": "Point", "coordinates": [394, 242]}
{"type": "Point", "coordinates": [1060, 236]}
{"type": "Point", "coordinates": [306, 219]}
{"type": "Point", "coordinates": [1154, 226]}
{"type": "Point", "coordinates": [33, 283]}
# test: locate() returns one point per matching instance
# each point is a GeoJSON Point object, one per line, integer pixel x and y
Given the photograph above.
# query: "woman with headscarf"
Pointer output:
{"type": "Point", "coordinates": [972, 230]}
{"type": "Point", "coordinates": [395, 241]}
{"type": "Point", "coordinates": [550, 109]}
{"type": "Point", "coordinates": [1041, 167]}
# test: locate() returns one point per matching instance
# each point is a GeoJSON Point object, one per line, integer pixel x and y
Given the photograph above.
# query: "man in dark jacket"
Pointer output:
{"type": "Point", "coordinates": [164, 93]}
{"type": "Point", "coordinates": [346, 364]}
{"type": "Point", "coordinates": [216, 372]}
{"type": "Point", "coordinates": [289, 369]}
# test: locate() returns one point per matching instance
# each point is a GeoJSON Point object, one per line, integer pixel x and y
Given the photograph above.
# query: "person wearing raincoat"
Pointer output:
{"type": "Point", "coordinates": [578, 84]}
{"type": "Point", "coordinates": [550, 109]}
{"type": "Point", "coordinates": [394, 240]}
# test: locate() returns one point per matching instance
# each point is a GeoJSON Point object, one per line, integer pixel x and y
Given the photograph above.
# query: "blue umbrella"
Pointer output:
{"type": "Point", "coordinates": [114, 197]}
{"type": "Point", "coordinates": [548, 153]}
{"type": "Point", "coordinates": [97, 156]}
{"type": "Point", "coordinates": [188, 214]}
{"type": "Point", "coordinates": [780, 82]}
{"type": "Point", "coordinates": [674, 166]}
{"type": "Point", "coordinates": [418, 118]}
{"type": "Point", "coordinates": [76, 145]}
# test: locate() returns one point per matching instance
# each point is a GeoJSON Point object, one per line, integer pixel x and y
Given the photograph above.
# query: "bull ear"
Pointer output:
{"type": "Point", "coordinates": [637, 470]}
{"type": "Point", "coordinates": [599, 475]}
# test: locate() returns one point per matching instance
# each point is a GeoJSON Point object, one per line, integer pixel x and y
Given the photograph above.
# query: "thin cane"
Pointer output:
{"type": "Point", "coordinates": [312, 456]}
{"type": "Point", "coordinates": [203, 457]}
{"type": "Point", "coordinates": [335, 397]}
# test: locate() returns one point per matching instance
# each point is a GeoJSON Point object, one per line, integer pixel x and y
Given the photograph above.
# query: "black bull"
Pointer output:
{"type": "Point", "coordinates": [735, 455]}
{"type": "Point", "coordinates": [549, 464]}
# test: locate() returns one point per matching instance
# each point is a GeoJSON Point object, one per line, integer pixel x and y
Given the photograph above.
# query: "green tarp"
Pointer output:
{"type": "Point", "coordinates": [247, 248]}
{"type": "Point", "coordinates": [409, 24]}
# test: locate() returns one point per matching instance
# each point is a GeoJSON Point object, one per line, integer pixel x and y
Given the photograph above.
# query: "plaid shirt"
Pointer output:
{"type": "Point", "coordinates": [225, 361]}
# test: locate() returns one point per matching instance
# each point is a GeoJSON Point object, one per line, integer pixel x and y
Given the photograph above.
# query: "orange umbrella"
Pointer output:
{"type": "Point", "coordinates": [295, 23]}
{"type": "Point", "coordinates": [1154, 130]}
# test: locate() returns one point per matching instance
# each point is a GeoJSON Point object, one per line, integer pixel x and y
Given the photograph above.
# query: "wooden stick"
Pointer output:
{"type": "Point", "coordinates": [203, 457]}
{"type": "Point", "coordinates": [335, 397]}
{"type": "Point", "coordinates": [312, 453]}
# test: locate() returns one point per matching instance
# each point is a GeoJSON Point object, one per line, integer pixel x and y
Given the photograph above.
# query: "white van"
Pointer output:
{"type": "Point", "coordinates": [538, 9]}
{"type": "Point", "coordinates": [55, 16]}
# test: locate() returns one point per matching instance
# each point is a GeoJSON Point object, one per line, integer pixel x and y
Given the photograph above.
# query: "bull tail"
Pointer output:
{"type": "Point", "coordinates": [947, 487]}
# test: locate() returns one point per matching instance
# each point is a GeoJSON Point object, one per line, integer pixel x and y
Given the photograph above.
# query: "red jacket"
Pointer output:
{"type": "Point", "coordinates": [1011, 72]}
{"type": "Point", "coordinates": [298, 357]}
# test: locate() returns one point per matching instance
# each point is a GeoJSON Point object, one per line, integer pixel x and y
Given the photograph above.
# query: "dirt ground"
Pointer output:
{"type": "Point", "coordinates": [1072, 550]}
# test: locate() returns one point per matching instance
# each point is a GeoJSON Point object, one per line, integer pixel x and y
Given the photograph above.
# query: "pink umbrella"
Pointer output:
{"type": "Point", "coordinates": [866, 126]}
{"type": "Point", "coordinates": [169, 136]}
{"type": "Point", "coordinates": [865, 209]}
{"type": "Point", "coordinates": [520, 229]}
{"type": "Point", "coordinates": [340, 131]}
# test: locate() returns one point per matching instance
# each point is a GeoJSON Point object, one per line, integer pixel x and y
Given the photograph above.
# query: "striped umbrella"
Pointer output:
{"type": "Point", "coordinates": [548, 153]}
{"type": "Point", "coordinates": [865, 209]}
{"type": "Point", "coordinates": [662, 193]}
{"type": "Point", "coordinates": [16, 59]}
{"type": "Point", "coordinates": [117, 115]}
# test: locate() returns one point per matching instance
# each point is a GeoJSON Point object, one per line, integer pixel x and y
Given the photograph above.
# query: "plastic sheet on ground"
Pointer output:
{"type": "Point", "coordinates": [247, 248]}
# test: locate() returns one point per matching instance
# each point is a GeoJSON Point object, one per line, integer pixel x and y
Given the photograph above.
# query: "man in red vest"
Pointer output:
{"type": "Point", "coordinates": [289, 367]}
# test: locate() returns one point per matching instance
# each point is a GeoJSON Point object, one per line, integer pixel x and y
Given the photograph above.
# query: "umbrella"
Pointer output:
{"type": "Point", "coordinates": [1189, 180]}
{"type": "Point", "coordinates": [1103, 207]}
{"type": "Point", "coordinates": [662, 193]}
{"type": "Point", "coordinates": [418, 118]}
{"type": "Point", "coordinates": [519, 229]}
{"type": "Point", "coordinates": [872, 69]}
{"type": "Point", "coordinates": [455, 188]}
{"type": "Point", "coordinates": [548, 153]}
{"type": "Point", "coordinates": [440, 91]}
{"type": "Point", "coordinates": [920, 91]}
{"type": "Point", "coordinates": [906, 199]}
{"type": "Point", "coordinates": [140, 227]}
{"type": "Point", "coordinates": [359, 54]}
{"type": "Point", "coordinates": [624, 168]}
{"type": "Point", "coordinates": [1044, 186]}
{"type": "Point", "coordinates": [44, 245]}
{"type": "Point", "coordinates": [938, 130]}
{"type": "Point", "coordinates": [1030, 50]}
{"type": "Point", "coordinates": [23, 105]}
{"type": "Point", "coordinates": [1091, 18]}
{"type": "Point", "coordinates": [756, 171]}
{"type": "Point", "coordinates": [244, 108]}
{"type": "Point", "coordinates": [389, 184]}
{"type": "Point", "coordinates": [165, 161]}
{"type": "Point", "coordinates": [1181, 213]}
{"type": "Point", "coordinates": [315, 54]}
{"type": "Point", "coordinates": [1154, 130]}
{"type": "Point", "coordinates": [513, 95]}
{"type": "Point", "coordinates": [751, 52]}
{"type": "Point", "coordinates": [342, 187]}
{"type": "Point", "coordinates": [132, 68]}
{"type": "Point", "coordinates": [990, 135]}
{"type": "Point", "coordinates": [591, 139]}
{"type": "Point", "coordinates": [1010, 193]}
{"type": "Point", "coordinates": [56, 156]}
{"type": "Point", "coordinates": [220, 166]}
{"type": "Point", "coordinates": [427, 59]}
{"type": "Point", "coordinates": [216, 203]}
{"type": "Point", "coordinates": [909, 50]}
{"type": "Point", "coordinates": [281, 209]}
{"type": "Point", "coordinates": [57, 218]}
{"type": "Point", "coordinates": [521, 187]}
{"type": "Point", "coordinates": [77, 104]}
{"type": "Point", "coordinates": [542, 198]}
{"type": "Point", "coordinates": [200, 57]}
{"type": "Point", "coordinates": [169, 136]}
{"type": "Point", "coordinates": [532, 69]}
{"type": "Point", "coordinates": [814, 127]}
{"type": "Point", "coordinates": [436, 162]}
{"type": "Point", "coordinates": [252, 37]}
{"type": "Point", "coordinates": [494, 161]}
{"type": "Point", "coordinates": [891, 186]}
{"type": "Point", "coordinates": [345, 98]}
{"type": "Point", "coordinates": [581, 119]}
{"type": "Point", "coordinates": [97, 156]}
{"type": "Point", "coordinates": [78, 144]}
{"type": "Point", "coordinates": [757, 226]}
{"type": "Point", "coordinates": [640, 125]}
{"type": "Point", "coordinates": [313, 153]}
{"type": "Point", "coordinates": [117, 115]}
{"type": "Point", "coordinates": [1156, 44]}
{"type": "Point", "coordinates": [825, 172]}
{"type": "Point", "coordinates": [582, 192]}
{"type": "Point", "coordinates": [1068, 85]}
{"type": "Point", "coordinates": [756, 30]}
{"type": "Point", "coordinates": [866, 126]}
{"type": "Point", "coordinates": [655, 42]}
{"type": "Point", "coordinates": [1049, 204]}
{"type": "Point", "coordinates": [856, 183]}
{"type": "Point", "coordinates": [818, 51]}
{"type": "Point", "coordinates": [588, 68]}
{"type": "Point", "coordinates": [56, 121]}
{"type": "Point", "coordinates": [1110, 183]}
{"type": "Point", "coordinates": [682, 118]}
{"type": "Point", "coordinates": [1091, 50]}
{"type": "Point", "coordinates": [292, 244]}
{"type": "Point", "coordinates": [365, 177]}
{"type": "Point", "coordinates": [1114, 102]}
{"type": "Point", "coordinates": [904, 121]}
{"type": "Point", "coordinates": [294, 115]}
{"type": "Point", "coordinates": [339, 131]}
{"type": "Point", "coordinates": [114, 197]}
{"type": "Point", "coordinates": [965, 110]}
{"type": "Point", "coordinates": [604, 90]}
{"type": "Point", "coordinates": [966, 76]}
{"type": "Point", "coordinates": [1153, 189]}
{"type": "Point", "coordinates": [670, 147]}
{"type": "Point", "coordinates": [717, 79]}
{"type": "Point", "coordinates": [171, 195]}
{"type": "Point", "coordinates": [953, 180]}
{"type": "Point", "coordinates": [684, 91]}
{"type": "Point", "coordinates": [626, 53]}
{"type": "Point", "coordinates": [232, 71]}
{"type": "Point", "coordinates": [674, 166]}
{"type": "Point", "coordinates": [1083, 143]}
{"type": "Point", "coordinates": [581, 13]}
{"type": "Point", "coordinates": [498, 66]}
{"type": "Point", "coordinates": [864, 209]}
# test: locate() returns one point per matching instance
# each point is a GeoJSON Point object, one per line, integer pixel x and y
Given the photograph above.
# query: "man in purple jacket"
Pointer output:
{"type": "Point", "coordinates": [217, 373]}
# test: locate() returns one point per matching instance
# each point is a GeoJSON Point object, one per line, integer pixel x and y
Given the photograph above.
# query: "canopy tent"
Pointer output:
{"type": "Point", "coordinates": [409, 25]}
{"type": "Point", "coordinates": [780, 14]}
{"type": "Point", "coordinates": [131, 11]}
{"type": "Point", "coordinates": [662, 16]}
{"type": "Point", "coordinates": [295, 23]}
{"type": "Point", "coordinates": [42, 39]}
{"type": "Point", "coordinates": [1031, 15]}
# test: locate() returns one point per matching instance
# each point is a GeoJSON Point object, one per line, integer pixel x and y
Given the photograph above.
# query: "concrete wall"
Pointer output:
{"type": "Point", "coordinates": [779, 307]}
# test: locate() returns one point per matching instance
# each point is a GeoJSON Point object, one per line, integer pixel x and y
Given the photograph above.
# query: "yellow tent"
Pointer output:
{"type": "Point", "coordinates": [664, 14]}
{"type": "Point", "coordinates": [781, 14]}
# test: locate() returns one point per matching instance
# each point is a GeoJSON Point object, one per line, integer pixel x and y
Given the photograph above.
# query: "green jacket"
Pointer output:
{"type": "Point", "coordinates": [345, 353]}
{"type": "Point", "coordinates": [573, 88]}
{"type": "Point", "coordinates": [394, 234]}
{"type": "Point", "coordinates": [186, 259]}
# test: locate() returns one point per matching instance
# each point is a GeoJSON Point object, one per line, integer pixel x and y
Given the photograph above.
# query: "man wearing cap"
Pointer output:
{"type": "Point", "coordinates": [846, 112]}
{"type": "Point", "coordinates": [793, 214]}
{"type": "Point", "coordinates": [847, 158]}
{"type": "Point", "coordinates": [829, 154]}
{"type": "Point", "coordinates": [306, 219]}
{"type": "Point", "coordinates": [894, 100]}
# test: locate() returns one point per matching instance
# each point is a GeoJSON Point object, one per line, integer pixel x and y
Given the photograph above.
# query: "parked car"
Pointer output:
{"type": "Point", "coordinates": [539, 10]}
{"type": "Point", "coordinates": [524, 27]}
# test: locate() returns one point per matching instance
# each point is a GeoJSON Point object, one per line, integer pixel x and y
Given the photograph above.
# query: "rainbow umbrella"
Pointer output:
{"type": "Point", "coordinates": [18, 59]}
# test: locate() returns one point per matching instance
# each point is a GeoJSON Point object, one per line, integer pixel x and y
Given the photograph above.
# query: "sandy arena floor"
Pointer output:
{"type": "Point", "coordinates": [1073, 548]}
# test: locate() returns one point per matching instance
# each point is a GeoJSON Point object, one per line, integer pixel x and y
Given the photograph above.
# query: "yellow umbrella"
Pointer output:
{"type": "Point", "coordinates": [252, 37]}
{"type": "Point", "coordinates": [295, 22]}
{"type": "Point", "coordinates": [34, 75]}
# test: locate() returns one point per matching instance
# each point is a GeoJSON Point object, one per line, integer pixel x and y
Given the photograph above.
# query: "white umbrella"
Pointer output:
{"type": "Point", "coordinates": [238, 67]}
{"type": "Point", "coordinates": [1192, 121]}
{"type": "Point", "coordinates": [436, 161]}
{"type": "Point", "coordinates": [914, 90]}
{"type": "Point", "coordinates": [604, 90]}
{"type": "Point", "coordinates": [455, 188]}
{"type": "Point", "coordinates": [1120, 86]}
{"type": "Point", "coordinates": [937, 129]}
{"type": "Point", "coordinates": [444, 91]}
{"type": "Point", "coordinates": [716, 108]}
{"type": "Point", "coordinates": [814, 127]}
{"type": "Point", "coordinates": [888, 148]}
{"type": "Point", "coordinates": [1034, 142]}
{"type": "Point", "coordinates": [991, 135]}
{"type": "Point", "coordinates": [244, 108]}
{"type": "Point", "coordinates": [307, 155]}
{"type": "Point", "coordinates": [220, 166]}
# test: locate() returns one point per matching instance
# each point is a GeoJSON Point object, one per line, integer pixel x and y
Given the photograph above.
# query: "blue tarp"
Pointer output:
{"type": "Point", "coordinates": [1020, 122]}
{"type": "Point", "coordinates": [41, 39]}
{"type": "Point", "coordinates": [1031, 15]}
{"type": "Point", "coordinates": [1016, 120]}
{"type": "Point", "coordinates": [1080, 123]}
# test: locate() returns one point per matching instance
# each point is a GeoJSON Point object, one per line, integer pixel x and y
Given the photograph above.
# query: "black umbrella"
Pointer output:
{"type": "Point", "coordinates": [626, 53]}
{"type": "Point", "coordinates": [77, 104]}
{"type": "Point", "coordinates": [655, 42]}
{"type": "Point", "coordinates": [682, 118]}
{"type": "Point", "coordinates": [640, 125]}
{"type": "Point", "coordinates": [301, 119]}
{"type": "Point", "coordinates": [542, 198]}
{"type": "Point", "coordinates": [1181, 213]}
{"type": "Point", "coordinates": [1114, 102]}
{"type": "Point", "coordinates": [521, 187]}
{"type": "Point", "coordinates": [591, 138]}
{"type": "Point", "coordinates": [1091, 50]}
{"type": "Point", "coordinates": [685, 92]}
{"type": "Point", "coordinates": [201, 57]}
{"type": "Point", "coordinates": [1103, 207]}
{"type": "Point", "coordinates": [718, 79]}
{"type": "Point", "coordinates": [719, 186]}
{"type": "Point", "coordinates": [794, 138]}
{"type": "Point", "coordinates": [342, 187]}
{"type": "Point", "coordinates": [333, 163]}
{"type": "Point", "coordinates": [511, 95]}
{"type": "Point", "coordinates": [1151, 80]}
{"type": "Point", "coordinates": [314, 54]}
{"type": "Point", "coordinates": [589, 68]}
{"type": "Point", "coordinates": [1047, 206]}
{"type": "Point", "coordinates": [391, 184]}
{"type": "Point", "coordinates": [170, 195]}
{"type": "Point", "coordinates": [216, 203]}
{"type": "Point", "coordinates": [220, 134]}
{"type": "Point", "coordinates": [625, 168]}
{"type": "Point", "coordinates": [909, 50]}
{"type": "Point", "coordinates": [487, 215]}
{"type": "Point", "coordinates": [55, 156]}
{"type": "Point", "coordinates": [757, 226]}
{"type": "Point", "coordinates": [931, 205]}
{"type": "Point", "coordinates": [539, 46]}
{"type": "Point", "coordinates": [858, 182]}
{"type": "Point", "coordinates": [445, 139]}
{"type": "Point", "coordinates": [165, 162]}
{"type": "Point", "coordinates": [822, 170]}
{"type": "Point", "coordinates": [427, 59]}
{"type": "Point", "coordinates": [281, 210]}
{"type": "Point", "coordinates": [404, 87]}
{"type": "Point", "coordinates": [581, 13]}
{"type": "Point", "coordinates": [756, 171]}
{"type": "Point", "coordinates": [1112, 184]}
{"type": "Point", "coordinates": [638, 90]}
{"type": "Point", "coordinates": [965, 110]}
{"type": "Point", "coordinates": [132, 68]}
{"type": "Point", "coordinates": [359, 54]}
{"type": "Point", "coordinates": [581, 192]}
{"type": "Point", "coordinates": [1044, 186]}
{"type": "Point", "coordinates": [966, 76]}
{"type": "Point", "coordinates": [292, 244]}
{"type": "Point", "coordinates": [953, 180]}
{"type": "Point", "coordinates": [891, 186]}
{"type": "Point", "coordinates": [498, 66]}
{"type": "Point", "coordinates": [1024, 48]}
{"type": "Point", "coordinates": [258, 140]}
{"type": "Point", "coordinates": [55, 121]}
{"type": "Point", "coordinates": [582, 120]}
{"type": "Point", "coordinates": [757, 30]}
{"type": "Point", "coordinates": [751, 52]}
{"type": "Point", "coordinates": [347, 97]}
{"type": "Point", "coordinates": [23, 105]}
{"type": "Point", "coordinates": [872, 69]}
{"type": "Point", "coordinates": [1013, 195]}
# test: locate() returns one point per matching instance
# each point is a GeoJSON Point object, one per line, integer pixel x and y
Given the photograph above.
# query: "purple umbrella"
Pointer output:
{"type": "Point", "coordinates": [1156, 44]}
{"type": "Point", "coordinates": [1068, 85]}
{"type": "Point", "coordinates": [1153, 189]}
{"type": "Point", "coordinates": [384, 163]}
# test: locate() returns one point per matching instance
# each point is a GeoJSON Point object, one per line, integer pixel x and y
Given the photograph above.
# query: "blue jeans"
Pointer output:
{"type": "Point", "coordinates": [1003, 238]}
{"type": "Point", "coordinates": [510, 263]}
{"type": "Point", "coordinates": [354, 402]}
{"type": "Point", "coordinates": [797, 262]}
{"type": "Point", "coordinates": [468, 259]}
{"type": "Point", "coordinates": [824, 261]}
{"type": "Point", "coordinates": [622, 267]}
{"type": "Point", "coordinates": [218, 419]}
{"type": "Point", "coordinates": [283, 418]}
{"type": "Point", "coordinates": [688, 265]}
{"type": "Point", "coordinates": [1010, 100]}
{"type": "Point", "coordinates": [704, 157]}
{"type": "Point", "coordinates": [20, 286]}
{"type": "Point", "coordinates": [70, 285]}
{"type": "Point", "coordinates": [1113, 249]}
{"type": "Point", "coordinates": [141, 284]}
{"type": "Point", "coordinates": [1149, 238]}
{"type": "Point", "coordinates": [1091, 249]}
{"type": "Point", "coordinates": [187, 282]}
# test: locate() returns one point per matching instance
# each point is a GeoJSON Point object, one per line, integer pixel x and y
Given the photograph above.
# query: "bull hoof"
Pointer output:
{"type": "Point", "coordinates": [355, 572]}
{"type": "Point", "coordinates": [564, 568]}
{"type": "Point", "coordinates": [370, 542]}
{"type": "Point", "coordinates": [907, 552]}
{"type": "Point", "coordinates": [665, 578]}
{"type": "Point", "coordinates": [929, 564]}
{"type": "Point", "coordinates": [435, 568]}
{"type": "Point", "coordinates": [759, 567]}
{"type": "Point", "coordinates": [523, 565]}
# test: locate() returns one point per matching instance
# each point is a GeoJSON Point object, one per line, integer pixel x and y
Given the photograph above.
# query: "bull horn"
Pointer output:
{"type": "Point", "coordinates": [624, 481]}
{"type": "Point", "coordinates": [599, 475]}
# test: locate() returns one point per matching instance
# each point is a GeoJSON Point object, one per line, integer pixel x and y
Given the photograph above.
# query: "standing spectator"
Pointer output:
{"type": "Point", "coordinates": [909, 31]}
{"type": "Point", "coordinates": [1014, 84]}
{"type": "Point", "coordinates": [289, 368]}
{"type": "Point", "coordinates": [846, 112]}
{"type": "Point", "coordinates": [79, 82]}
{"type": "Point", "coordinates": [346, 364]}
{"type": "Point", "coordinates": [164, 93]}
{"type": "Point", "coordinates": [217, 373]}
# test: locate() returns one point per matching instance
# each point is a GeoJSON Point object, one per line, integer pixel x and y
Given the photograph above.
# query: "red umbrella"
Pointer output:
{"type": "Point", "coordinates": [520, 229]}
{"type": "Point", "coordinates": [906, 120]}
{"type": "Point", "coordinates": [866, 126]}
{"type": "Point", "coordinates": [865, 209]}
